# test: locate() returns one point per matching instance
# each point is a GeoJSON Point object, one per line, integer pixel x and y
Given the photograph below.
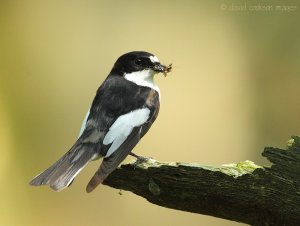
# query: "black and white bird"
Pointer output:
{"type": "Point", "coordinates": [123, 110]}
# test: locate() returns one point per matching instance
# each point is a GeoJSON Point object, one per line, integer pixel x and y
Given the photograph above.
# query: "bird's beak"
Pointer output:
{"type": "Point", "coordinates": [158, 67]}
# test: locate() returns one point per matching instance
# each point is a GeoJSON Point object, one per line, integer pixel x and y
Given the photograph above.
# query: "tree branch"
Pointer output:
{"type": "Point", "coordinates": [241, 192]}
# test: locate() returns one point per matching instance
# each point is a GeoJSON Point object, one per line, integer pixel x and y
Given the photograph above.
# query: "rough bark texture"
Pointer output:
{"type": "Point", "coordinates": [241, 192]}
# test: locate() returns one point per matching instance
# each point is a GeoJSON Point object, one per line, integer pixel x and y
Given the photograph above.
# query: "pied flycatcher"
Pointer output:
{"type": "Point", "coordinates": [123, 110]}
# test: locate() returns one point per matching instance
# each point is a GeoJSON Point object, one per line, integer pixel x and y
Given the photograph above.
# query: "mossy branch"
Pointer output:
{"type": "Point", "coordinates": [242, 192]}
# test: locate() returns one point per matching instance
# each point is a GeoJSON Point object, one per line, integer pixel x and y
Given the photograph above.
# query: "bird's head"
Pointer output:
{"type": "Point", "coordinates": [139, 61]}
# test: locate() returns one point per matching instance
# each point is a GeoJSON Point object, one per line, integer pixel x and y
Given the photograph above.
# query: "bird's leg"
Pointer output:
{"type": "Point", "coordinates": [139, 159]}
{"type": "Point", "coordinates": [135, 155]}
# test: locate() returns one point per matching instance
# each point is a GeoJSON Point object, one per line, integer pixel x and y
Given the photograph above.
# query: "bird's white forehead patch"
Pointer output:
{"type": "Point", "coordinates": [154, 59]}
{"type": "Point", "coordinates": [122, 127]}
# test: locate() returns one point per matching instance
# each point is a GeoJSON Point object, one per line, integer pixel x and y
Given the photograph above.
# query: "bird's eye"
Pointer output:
{"type": "Point", "coordinates": [138, 61]}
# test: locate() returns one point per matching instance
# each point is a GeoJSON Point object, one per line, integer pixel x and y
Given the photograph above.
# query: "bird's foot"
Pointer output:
{"type": "Point", "coordinates": [139, 159]}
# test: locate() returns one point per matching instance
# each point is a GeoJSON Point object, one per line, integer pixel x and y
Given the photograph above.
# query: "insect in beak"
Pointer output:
{"type": "Point", "coordinates": [167, 69]}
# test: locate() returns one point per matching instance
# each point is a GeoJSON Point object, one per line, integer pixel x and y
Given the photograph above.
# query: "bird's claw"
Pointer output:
{"type": "Point", "coordinates": [139, 159]}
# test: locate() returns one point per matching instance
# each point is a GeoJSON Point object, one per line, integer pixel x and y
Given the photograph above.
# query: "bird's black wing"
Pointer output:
{"type": "Point", "coordinates": [115, 97]}
{"type": "Point", "coordinates": [129, 98]}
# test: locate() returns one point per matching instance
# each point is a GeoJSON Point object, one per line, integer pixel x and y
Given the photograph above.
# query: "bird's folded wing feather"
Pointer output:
{"type": "Point", "coordinates": [122, 116]}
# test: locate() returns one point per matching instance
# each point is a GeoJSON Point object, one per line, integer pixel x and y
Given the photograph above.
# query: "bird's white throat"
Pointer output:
{"type": "Point", "coordinates": [143, 78]}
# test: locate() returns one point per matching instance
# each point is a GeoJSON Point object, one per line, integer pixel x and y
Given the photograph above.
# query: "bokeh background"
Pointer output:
{"type": "Point", "coordinates": [234, 89]}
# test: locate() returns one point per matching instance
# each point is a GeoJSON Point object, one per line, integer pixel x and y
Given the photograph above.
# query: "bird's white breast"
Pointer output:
{"type": "Point", "coordinates": [143, 78]}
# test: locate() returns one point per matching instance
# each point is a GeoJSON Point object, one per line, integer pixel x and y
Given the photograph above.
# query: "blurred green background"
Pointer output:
{"type": "Point", "coordinates": [234, 89]}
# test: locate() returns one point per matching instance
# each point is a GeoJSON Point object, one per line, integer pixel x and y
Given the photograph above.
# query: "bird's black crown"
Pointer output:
{"type": "Point", "coordinates": [135, 61]}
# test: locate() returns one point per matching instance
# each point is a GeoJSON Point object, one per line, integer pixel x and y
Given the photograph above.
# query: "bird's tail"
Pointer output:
{"type": "Point", "coordinates": [100, 175]}
{"type": "Point", "coordinates": [108, 165]}
{"type": "Point", "coordinates": [61, 174]}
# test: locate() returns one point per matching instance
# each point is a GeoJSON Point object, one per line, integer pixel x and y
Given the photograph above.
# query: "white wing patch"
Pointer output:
{"type": "Point", "coordinates": [122, 128]}
{"type": "Point", "coordinates": [83, 126]}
